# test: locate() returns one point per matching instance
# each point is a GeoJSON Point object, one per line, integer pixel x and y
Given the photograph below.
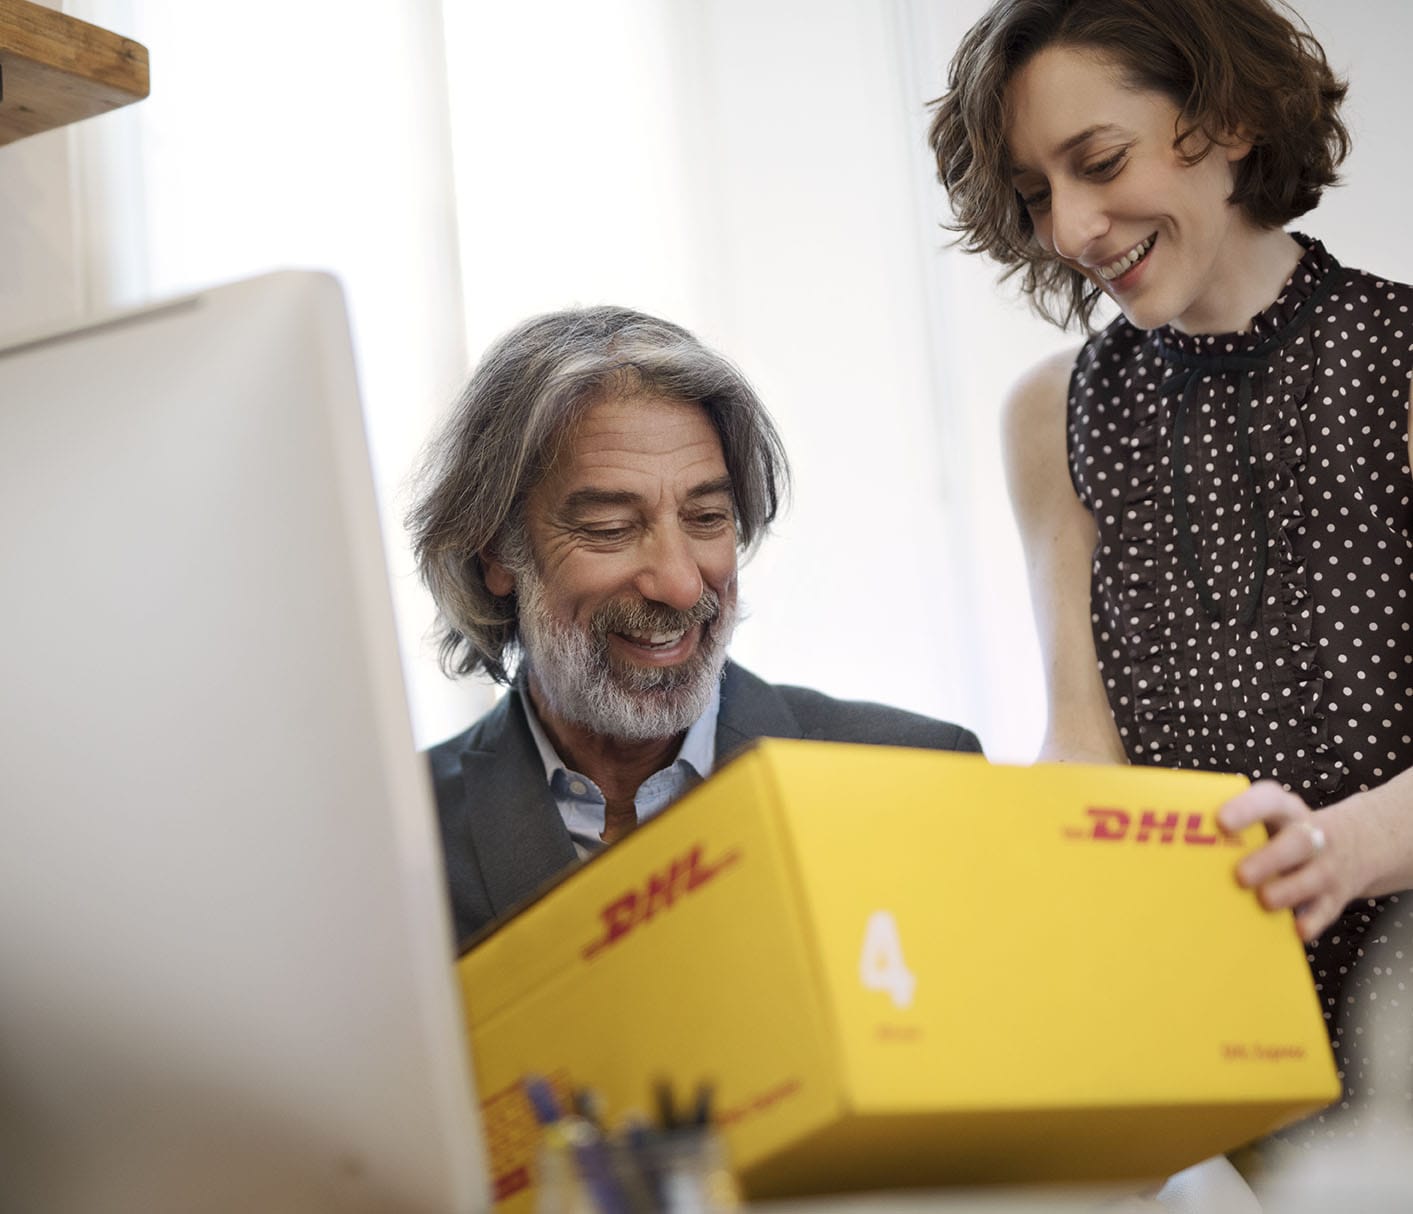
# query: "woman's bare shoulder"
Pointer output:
{"type": "Point", "coordinates": [1039, 393]}
{"type": "Point", "coordinates": [1034, 408]}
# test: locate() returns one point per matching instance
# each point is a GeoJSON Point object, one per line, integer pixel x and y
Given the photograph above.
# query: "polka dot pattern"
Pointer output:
{"type": "Point", "coordinates": [1317, 690]}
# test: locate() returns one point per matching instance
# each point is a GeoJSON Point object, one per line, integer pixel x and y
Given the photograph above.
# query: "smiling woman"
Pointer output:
{"type": "Point", "coordinates": [1215, 494]}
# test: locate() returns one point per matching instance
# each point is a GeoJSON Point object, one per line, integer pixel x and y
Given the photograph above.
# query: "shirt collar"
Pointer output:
{"type": "Point", "coordinates": [698, 748]}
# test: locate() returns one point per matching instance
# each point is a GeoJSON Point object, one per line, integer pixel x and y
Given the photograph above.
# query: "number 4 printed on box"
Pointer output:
{"type": "Point", "coordinates": [881, 965]}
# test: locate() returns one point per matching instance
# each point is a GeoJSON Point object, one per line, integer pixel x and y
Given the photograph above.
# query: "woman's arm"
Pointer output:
{"type": "Point", "coordinates": [1058, 537]}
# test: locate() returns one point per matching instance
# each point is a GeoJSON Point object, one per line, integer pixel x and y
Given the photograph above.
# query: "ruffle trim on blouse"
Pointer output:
{"type": "Point", "coordinates": [1302, 672]}
{"type": "Point", "coordinates": [1156, 699]}
{"type": "Point", "coordinates": [1158, 695]}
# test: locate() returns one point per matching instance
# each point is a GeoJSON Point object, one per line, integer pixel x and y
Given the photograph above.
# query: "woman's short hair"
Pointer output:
{"type": "Point", "coordinates": [1246, 66]}
{"type": "Point", "coordinates": [506, 428]}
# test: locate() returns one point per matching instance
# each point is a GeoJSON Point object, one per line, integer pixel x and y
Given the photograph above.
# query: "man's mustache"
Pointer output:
{"type": "Point", "coordinates": [643, 615]}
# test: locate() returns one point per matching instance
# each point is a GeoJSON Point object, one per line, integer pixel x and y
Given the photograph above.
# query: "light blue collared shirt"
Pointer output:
{"type": "Point", "coordinates": [581, 801]}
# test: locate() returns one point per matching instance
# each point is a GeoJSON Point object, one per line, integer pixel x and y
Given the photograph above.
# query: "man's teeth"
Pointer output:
{"type": "Point", "coordinates": [1115, 268]}
{"type": "Point", "coordinates": [655, 638]}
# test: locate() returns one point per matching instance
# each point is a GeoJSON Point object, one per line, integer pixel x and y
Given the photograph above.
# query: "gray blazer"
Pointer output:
{"type": "Point", "coordinates": [502, 833]}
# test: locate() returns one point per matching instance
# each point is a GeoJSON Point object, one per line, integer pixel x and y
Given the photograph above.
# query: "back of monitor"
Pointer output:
{"type": "Point", "coordinates": [223, 938]}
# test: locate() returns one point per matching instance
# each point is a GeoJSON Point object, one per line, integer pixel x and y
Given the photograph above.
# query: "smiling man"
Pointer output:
{"type": "Point", "coordinates": [580, 521]}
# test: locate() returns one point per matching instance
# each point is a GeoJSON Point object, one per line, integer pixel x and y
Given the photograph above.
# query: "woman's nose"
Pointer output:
{"type": "Point", "coordinates": [1076, 222]}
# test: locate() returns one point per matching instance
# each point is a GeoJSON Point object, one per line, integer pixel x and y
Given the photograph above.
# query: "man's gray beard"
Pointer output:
{"type": "Point", "coordinates": [582, 684]}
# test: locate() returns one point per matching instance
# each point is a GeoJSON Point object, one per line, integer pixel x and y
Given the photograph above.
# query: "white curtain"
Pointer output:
{"type": "Point", "coordinates": [300, 133]}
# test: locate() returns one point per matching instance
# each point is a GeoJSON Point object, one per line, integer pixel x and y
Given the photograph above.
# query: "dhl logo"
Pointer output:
{"type": "Point", "coordinates": [634, 907]}
{"type": "Point", "coordinates": [1108, 825]}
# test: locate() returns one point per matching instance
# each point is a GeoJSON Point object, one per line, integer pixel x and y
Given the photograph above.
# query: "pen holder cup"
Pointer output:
{"type": "Point", "coordinates": [684, 1171]}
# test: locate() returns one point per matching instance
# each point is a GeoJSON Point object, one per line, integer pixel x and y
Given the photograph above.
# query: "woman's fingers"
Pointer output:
{"type": "Point", "coordinates": [1297, 869]}
{"type": "Point", "coordinates": [1294, 846]}
{"type": "Point", "coordinates": [1266, 802]}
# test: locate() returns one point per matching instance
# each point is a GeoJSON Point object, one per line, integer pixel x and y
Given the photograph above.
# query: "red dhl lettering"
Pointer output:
{"type": "Point", "coordinates": [512, 1133]}
{"type": "Point", "coordinates": [658, 893]}
{"type": "Point", "coordinates": [507, 1184]}
{"type": "Point", "coordinates": [758, 1103]}
{"type": "Point", "coordinates": [1109, 825]}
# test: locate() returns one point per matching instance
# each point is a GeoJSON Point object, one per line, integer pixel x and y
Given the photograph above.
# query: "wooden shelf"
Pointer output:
{"type": "Point", "coordinates": [55, 69]}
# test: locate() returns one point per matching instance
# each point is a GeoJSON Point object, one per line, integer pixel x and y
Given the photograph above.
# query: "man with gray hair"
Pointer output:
{"type": "Point", "coordinates": [579, 522]}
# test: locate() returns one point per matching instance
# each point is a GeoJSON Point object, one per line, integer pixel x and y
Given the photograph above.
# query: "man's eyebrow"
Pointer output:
{"type": "Point", "coordinates": [586, 499]}
{"type": "Point", "coordinates": [589, 498]}
{"type": "Point", "coordinates": [1074, 141]}
{"type": "Point", "coordinates": [722, 484]}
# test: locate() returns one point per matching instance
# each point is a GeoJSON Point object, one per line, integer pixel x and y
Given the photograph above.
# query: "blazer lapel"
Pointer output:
{"type": "Point", "coordinates": [750, 708]}
{"type": "Point", "coordinates": [519, 838]}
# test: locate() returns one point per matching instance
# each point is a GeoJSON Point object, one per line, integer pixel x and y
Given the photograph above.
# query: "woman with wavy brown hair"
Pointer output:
{"type": "Point", "coordinates": [1215, 493]}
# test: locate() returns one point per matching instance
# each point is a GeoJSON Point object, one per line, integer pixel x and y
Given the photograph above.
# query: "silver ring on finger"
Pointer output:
{"type": "Point", "coordinates": [1317, 838]}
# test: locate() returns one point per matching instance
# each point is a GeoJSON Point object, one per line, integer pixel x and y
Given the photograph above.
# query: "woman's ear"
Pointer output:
{"type": "Point", "coordinates": [499, 580]}
{"type": "Point", "coordinates": [1237, 144]}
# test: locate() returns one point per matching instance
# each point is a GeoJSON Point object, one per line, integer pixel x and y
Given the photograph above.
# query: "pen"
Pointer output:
{"type": "Point", "coordinates": [583, 1142]}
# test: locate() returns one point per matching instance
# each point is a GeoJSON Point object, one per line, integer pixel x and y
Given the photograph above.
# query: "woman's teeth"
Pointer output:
{"type": "Point", "coordinates": [1111, 271]}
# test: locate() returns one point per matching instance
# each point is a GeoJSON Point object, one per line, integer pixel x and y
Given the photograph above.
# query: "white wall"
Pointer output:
{"type": "Point", "coordinates": [819, 289]}
{"type": "Point", "coordinates": [1365, 221]}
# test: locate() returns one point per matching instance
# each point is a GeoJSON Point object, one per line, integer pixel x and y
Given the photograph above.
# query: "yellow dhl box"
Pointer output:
{"type": "Point", "coordinates": [902, 967]}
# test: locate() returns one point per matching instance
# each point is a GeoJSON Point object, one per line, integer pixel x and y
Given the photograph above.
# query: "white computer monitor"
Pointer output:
{"type": "Point", "coordinates": [225, 961]}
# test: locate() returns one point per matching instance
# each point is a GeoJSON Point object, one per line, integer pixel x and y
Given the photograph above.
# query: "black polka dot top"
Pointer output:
{"type": "Point", "coordinates": [1252, 584]}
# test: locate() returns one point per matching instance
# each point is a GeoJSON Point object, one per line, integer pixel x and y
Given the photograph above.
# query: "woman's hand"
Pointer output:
{"type": "Point", "coordinates": [1314, 864]}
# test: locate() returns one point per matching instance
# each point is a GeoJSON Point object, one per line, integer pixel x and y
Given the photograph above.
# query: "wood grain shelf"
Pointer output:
{"type": "Point", "coordinates": [55, 69]}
